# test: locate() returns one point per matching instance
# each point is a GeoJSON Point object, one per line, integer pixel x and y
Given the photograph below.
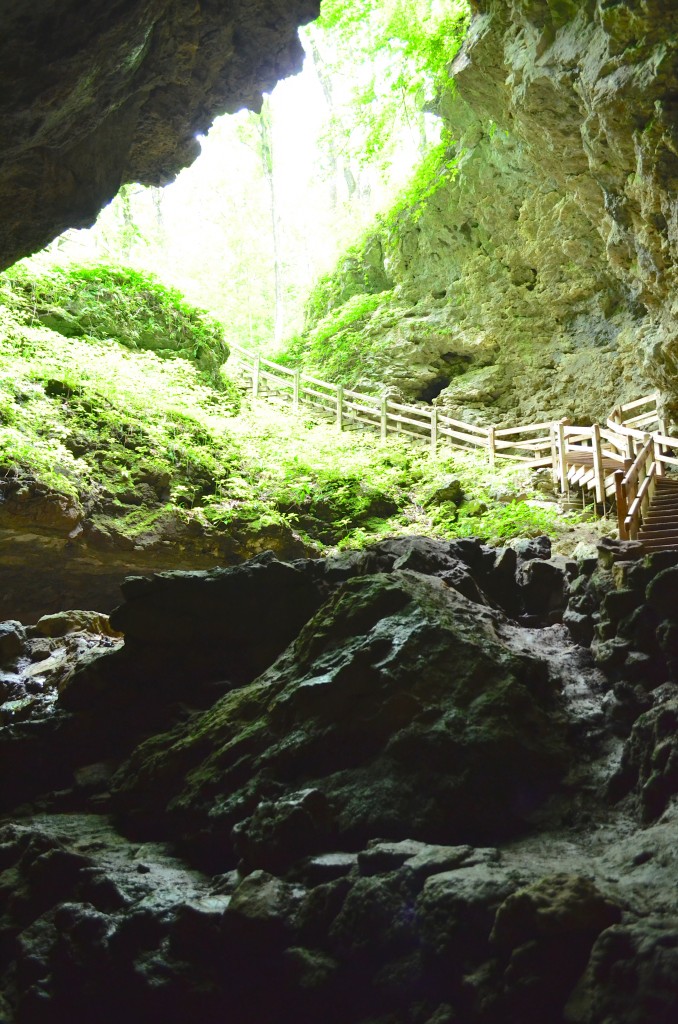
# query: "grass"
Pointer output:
{"type": "Point", "coordinates": [135, 437]}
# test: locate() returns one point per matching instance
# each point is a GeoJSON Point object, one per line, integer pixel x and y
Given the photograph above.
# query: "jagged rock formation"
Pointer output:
{"type": "Point", "coordinates": [541, 280]}
{"type": "Point", "coordinates": [395, 787]}
{"type": "Point", "coordinates": [93, 96]}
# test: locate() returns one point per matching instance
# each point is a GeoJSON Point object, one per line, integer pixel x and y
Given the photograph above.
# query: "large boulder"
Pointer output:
{"type": "Point", "coordinates": [400, 706]}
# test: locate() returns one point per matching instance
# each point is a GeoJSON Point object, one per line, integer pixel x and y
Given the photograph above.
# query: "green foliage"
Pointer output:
{"type": "Point", "coordinates": [438, 168]}
{"type": "Point", "coordinates": [142, 442]}
{"type": "Point", "coordinates": [345, 343]}
{"type": "Point", "coordinates": [345, 311]}
{"type": "Point", "coordinates": [121, 303]}
{"type": "Point", "coordinates": [90, 419]}
{"type": "Point", "coordinates": [408, 46]}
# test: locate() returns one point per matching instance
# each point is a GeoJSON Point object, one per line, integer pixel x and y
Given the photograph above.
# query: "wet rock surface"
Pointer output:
{"type": "Point", "coordinates": [395, 798]}
{"type": "Point", "coordinates": [55, 553]}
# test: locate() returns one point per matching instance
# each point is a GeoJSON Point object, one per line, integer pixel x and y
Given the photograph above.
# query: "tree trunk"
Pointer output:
{"type": "Point", "coordinates": [265, 125]}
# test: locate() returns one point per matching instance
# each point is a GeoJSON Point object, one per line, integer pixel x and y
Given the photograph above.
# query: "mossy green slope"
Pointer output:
{"type": "Point", "coordinates": [135, 443]}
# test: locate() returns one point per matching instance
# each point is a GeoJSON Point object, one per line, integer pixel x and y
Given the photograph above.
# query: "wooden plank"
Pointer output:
{"type": "Point", "coordinates": [361, 418]}
{"type": "Point", "coordinates": [480, 442]}
{"type": "Point", "coordinates": [306, 377]}
{"type": "Point", "coordinates": [562, 456]}
{"type": "Point", "coordinates": [657, 454]}
{"type": "Point", "coordinates": [536, 463]}
{"type": "Point", "coordinates": [613, 456]}
{"type": "Point", "coordinates": [638, 462]}
{"type": "Point", "coordinates": [578, 433]}
{"type": "Point", "coordinates": [384, 419]}
{"type": "Point", "coordinates": [448, 421]}
{"type": "Point", "coordinates": [628, 431]}
{"type": "Point", "coordinates": [256, 376]}
{"type": "Point", "coordinates": [622, 510]}
{"type": "Point", "coordinates": [578, 474]}
{"type": "Point", "coordinates": [613, 437]}
{"type": "Point", "coordinates": [554, 454]}
{"type": "Point", "coordinates": [368, 409]}
{"type": "Point", "coordinates": [523, 458]}
{"type": "Point", "coordinates": [276, 366]}
{"type": "Point", "coordinates": [507, 431]}
{"type": "Point", "coordinates": [340, 408]}
{"type": "Point", "coordinates": [329, 400]}
{"type": "Point", "coordinates": [637, 421]}
{"type": "Point", "coordinates": [266, 375]}
{"type": "Point", "coordinates": [434, 431]}
{"type": "Point", "coordinates": [598, 465]}
{"type": "Point", "coordinates": [537, 444]}
{"type": "Point", "coordinates": [415, 423]}
{"type": "Point", "coordinates": [578, 453]}
{"type": "Point", "coordinates": [410, 410]}
{"type": "Point", "coordinates": [665, 439]}
{"type": "Point", "coordinates": [636, 404]}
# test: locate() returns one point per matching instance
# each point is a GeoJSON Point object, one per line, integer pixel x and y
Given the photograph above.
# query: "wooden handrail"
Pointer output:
{"type": "Point", "coordinates": [615, 442]}
{"type": "Point", "coordinates": [637, 402]}
{"type": "Point", "coordinates": [639, 461]}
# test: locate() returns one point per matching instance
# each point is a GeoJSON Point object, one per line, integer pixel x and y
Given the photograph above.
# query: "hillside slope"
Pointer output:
{"type": "Point", "coordinates": [124, 448]}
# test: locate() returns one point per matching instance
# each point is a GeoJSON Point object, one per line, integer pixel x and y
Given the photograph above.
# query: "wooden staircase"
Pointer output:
{"type": "Point", "coordinates": [659, 529]}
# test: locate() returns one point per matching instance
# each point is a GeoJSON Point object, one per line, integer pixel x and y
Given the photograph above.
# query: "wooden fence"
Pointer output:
{"type": "Point", "coordinates": [620, 460]}
{"type": "Point", "coordinates": [532, 444]}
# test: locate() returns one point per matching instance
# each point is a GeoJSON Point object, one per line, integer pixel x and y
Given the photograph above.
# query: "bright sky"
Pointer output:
{"type": "Point", "coordinates": [209, 232]}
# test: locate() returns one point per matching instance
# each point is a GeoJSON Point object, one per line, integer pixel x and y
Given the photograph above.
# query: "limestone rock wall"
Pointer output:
{"type": "Point", "coordinates": [93, 95]}
{"type": "Point", "coordinates": [541, 279]}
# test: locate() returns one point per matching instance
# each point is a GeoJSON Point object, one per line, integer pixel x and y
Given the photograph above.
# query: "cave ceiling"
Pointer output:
{"type": "Point", "coordinates": [93, 95]}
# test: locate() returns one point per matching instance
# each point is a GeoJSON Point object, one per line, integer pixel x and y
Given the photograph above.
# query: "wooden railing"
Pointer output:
{"type": "Point", "coordinates": [532, 444]}
{"type": "Point", "coordinates": [583, 457]}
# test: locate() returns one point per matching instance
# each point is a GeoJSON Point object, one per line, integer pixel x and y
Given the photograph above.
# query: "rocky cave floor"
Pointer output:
{"type": "Point", "coordinates": [426, 782]}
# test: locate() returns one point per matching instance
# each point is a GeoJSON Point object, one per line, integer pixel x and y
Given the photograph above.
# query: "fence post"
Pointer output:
{"type": "Point", "coordinates": [491, 445]}
{"type": "Point", "coordinates": [295, 390]}
{"type": "Point", "coordinates": [630, 450]}
{"type": "Point", "coordinates": [384, 417]}
{"type": "Point", "coordinates": [340, 407]}
{"type": "Point", "coordinates": [658, 452]}
{"type": "Point", "coordinates": [554, 453]}
{"type": "Point", "coordinates": [256, 375]}
{"type": "Point", "coordinates": [645, 471]}
{"type": "Point", "coordinates": [434, 431]}
{"type": "Point", "coordinates": [598, 465]}
{"type": "Point", "coordinates": [562, 460]}
{"type": "Point", "coordinates": [622, 508]}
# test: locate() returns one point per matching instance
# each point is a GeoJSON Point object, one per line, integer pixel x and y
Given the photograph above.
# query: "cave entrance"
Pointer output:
{"type": "Point", "coordinates": [433, 389]}
{"type": "Point", "coordinates": [274, 198]}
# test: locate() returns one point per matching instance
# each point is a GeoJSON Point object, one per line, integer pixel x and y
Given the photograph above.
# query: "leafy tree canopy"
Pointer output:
{"type": "Point", "coordinates": [397, 54]}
